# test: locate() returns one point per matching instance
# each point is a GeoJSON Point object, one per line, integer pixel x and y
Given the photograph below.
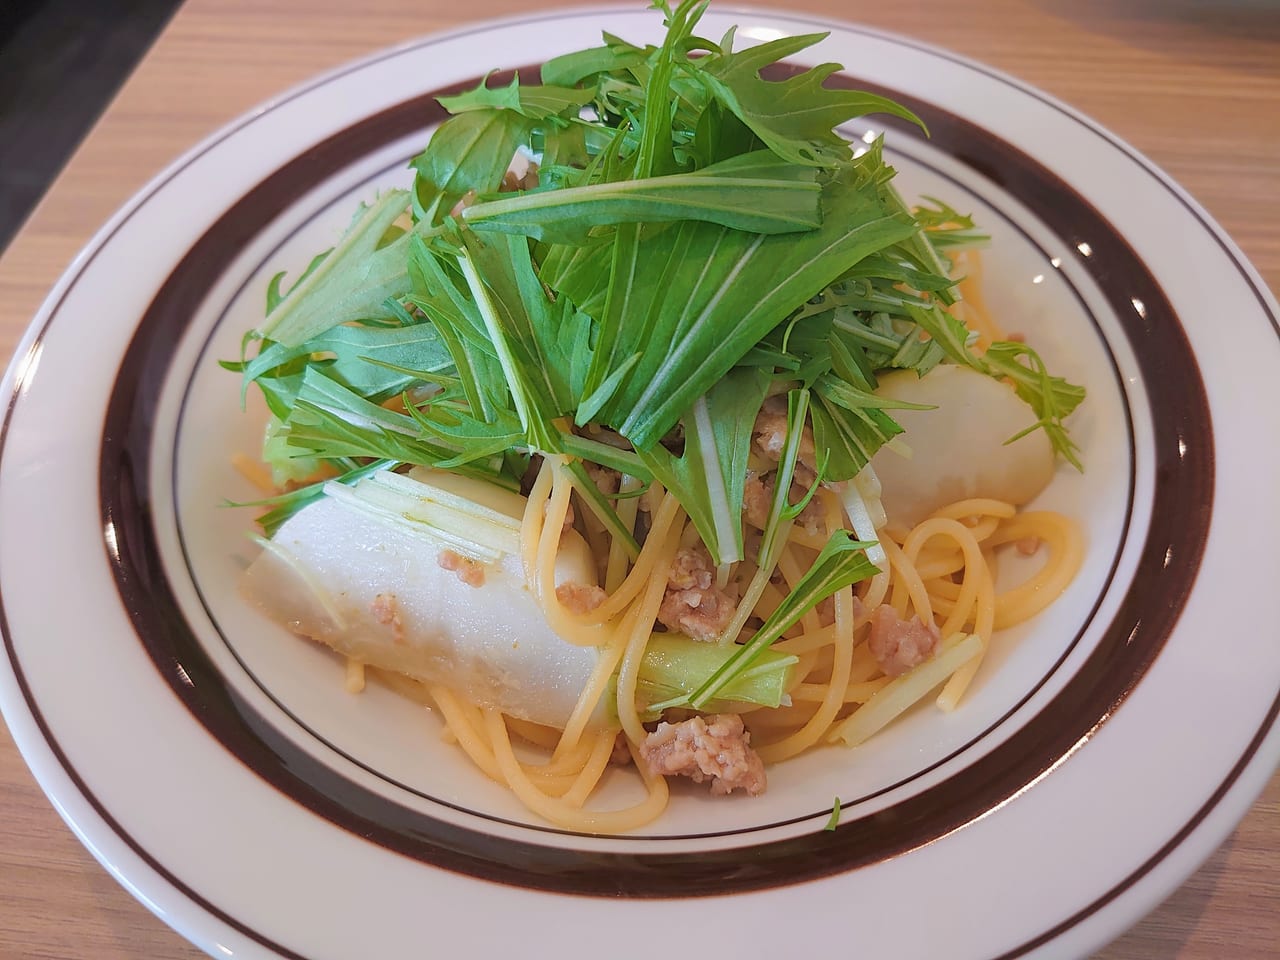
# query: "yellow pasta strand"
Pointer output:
{"type": "Point", "coordinates": [809, 734]}
{"type": "Point", "coordinates": [808, 641]}
{"type": "Point", "coordinates": [535, 733]}
{"type": "Point", "coordinates": [960, 534]}
{"type": "Point", "coordinates": [629, 668]}
{"type": "Point", "coordinates": [557, 810]}
{"type": "Point", "coordinates": [642, 570]}
{"type": "Point", "coordinates": [909, 581]}
{"type": "Point", "coordinates": [592, 770]}
{"type": "Point", "coordinates": [569, 628]}
{"type": "Point", "coordinates": [977, 507]}
{"type": "Point", "coordinates": [1066, 548]}
{"type": "Point", "coordinates": [531, 523]}
{"type": "Point", "coordinates": [468, 738]}
{"type": "Point", "coordinates": [597, 684]}
{"type": "Point", "coordinates": [355, 676]}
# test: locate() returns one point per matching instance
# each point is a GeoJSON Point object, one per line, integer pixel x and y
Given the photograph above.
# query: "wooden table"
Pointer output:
{"type": "Point", "coordinates": [1195, 85]}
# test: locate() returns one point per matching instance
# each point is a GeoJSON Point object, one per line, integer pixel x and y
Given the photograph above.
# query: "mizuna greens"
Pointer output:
{"type": "Point", "coordinates": [699, 237]}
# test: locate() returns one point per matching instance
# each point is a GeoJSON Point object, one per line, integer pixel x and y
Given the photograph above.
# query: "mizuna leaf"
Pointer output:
{"type": "Point", "coordinates": [711, 294]}
{"type": "Point", "coordinates": [350, 283]}
{"type": "Point", "coordinates": [576, 68]}
{"type": "Point", "coordinates": [531, 102]}
{"type": "Point", "coordinates": [367, 360]}
{"type": "Point", "coordinates": [842, 561]}
{"type": "Point", "coordinates": [709, 478]}
{"type": "Point", "coordinates": [794, 117]}
{"type": "Point", "coordinates": [468, 153]}
{"type": "Point", "coordinates": [757, 192]}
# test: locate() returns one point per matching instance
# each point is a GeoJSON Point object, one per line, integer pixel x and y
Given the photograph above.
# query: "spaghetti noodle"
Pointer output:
{"type": "Point", "coordinates": [641, 390]}
{"type": "Point", "coordinates": [942, 570]}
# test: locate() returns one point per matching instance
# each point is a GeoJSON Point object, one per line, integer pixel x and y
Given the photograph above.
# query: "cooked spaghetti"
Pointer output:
{"type": "Point", "coordinates": [942, 571]}
{"type": "Point", "coordinates": [655, 434]}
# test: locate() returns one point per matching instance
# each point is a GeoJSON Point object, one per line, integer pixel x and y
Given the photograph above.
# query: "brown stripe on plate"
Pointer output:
{"type": "Point", "coordinates": [1183, 491]}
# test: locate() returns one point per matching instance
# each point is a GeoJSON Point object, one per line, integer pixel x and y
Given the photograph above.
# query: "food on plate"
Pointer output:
{"type": "Point", "coordinates": [958, 445]}
{"type": "Point", "coordinates": [594, 438]}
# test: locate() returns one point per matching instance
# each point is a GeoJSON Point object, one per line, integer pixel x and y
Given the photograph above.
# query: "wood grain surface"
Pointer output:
{"type": "Point", "coordinates": [1195, 85]}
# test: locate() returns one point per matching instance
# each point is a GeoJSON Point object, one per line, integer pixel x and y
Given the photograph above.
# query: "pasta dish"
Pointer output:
{"type": "Point", "coordinates": [652, 433]}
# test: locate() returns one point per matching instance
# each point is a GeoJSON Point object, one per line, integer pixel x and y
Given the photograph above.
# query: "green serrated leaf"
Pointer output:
{"type": "Point", "coordinates": [710, 294]}
{"type": "Point", "coordinates": [756, 192]}
{"type": "Point", "coordinates": [350, 283]}
{"type": "Point", "coordinates": [468, 153]}
{"type": "Point", "coordinates": [841, 562]}
{"type": "Point", "coordinates": [531, 102]}
{"type": "Point", "coordinates": [794, 117]}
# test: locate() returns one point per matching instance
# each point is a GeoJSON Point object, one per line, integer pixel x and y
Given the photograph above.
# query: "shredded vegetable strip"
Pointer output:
{"type": "Point", "coordinates": [636, 643]}
{"type": "Point", "coordinates": [901, 693]}
{"type": "Point", "coordinates": [628, 507]}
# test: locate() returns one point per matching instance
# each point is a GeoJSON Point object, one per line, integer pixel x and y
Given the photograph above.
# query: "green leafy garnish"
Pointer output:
{"type": "Point", "coordinates": [834, 820]}
{"type": "Point", "coordinates": [674, 665]}
{"type": "Point", "coordinates": [795, 117]}
{"type": "Point", "coordinates": [841, 562]}
{"type": "Point", "coordinates": [697, 237]}
{"type": "Point", "coordinates": [1052, 398]}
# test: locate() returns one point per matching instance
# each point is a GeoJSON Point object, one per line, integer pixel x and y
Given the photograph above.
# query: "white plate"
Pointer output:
{"type": "Point", "coordinates": [216, 768]}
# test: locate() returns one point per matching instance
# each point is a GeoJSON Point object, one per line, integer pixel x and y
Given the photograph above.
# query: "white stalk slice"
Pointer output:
{"type": "Point", "coordinates": [861, 499]}
{"type": "Point", "coordinates": [361, 578]}
{"type": "Point", "coordinates": [904, 692]}
{"type": "Point", "coordinates": [727, 521]}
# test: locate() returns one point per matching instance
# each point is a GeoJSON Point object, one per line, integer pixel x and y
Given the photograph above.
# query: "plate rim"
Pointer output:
{"type": "Point", "coordinates": [14, 376]}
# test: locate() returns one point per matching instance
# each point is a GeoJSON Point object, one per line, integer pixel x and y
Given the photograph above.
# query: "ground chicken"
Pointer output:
{"type": "Point", "coordinates": [580, 597]}
{"type": "Point", "coordinates": [386, 611]}
{"type": "Point", "coordinates": [715, 748]}
{"type": "Point", "coordinates": [757, 496]}
{"type": "Point", "coordinates": [693, 604]}
{"type": "Point", "coordinates": [770, 432]}
{"type": "Point", "coordinates": [469, 571]}
{"type": "Point", "coordinates": [606, 479]}
{"type": "Point", "coordinates": [466, 200]}
{"type": "Point", "coordinates": [1028, 546]}
{"type": "Point", "coordinates": [897, 644]}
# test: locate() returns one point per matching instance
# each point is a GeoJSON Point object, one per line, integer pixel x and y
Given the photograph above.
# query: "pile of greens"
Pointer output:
{"type": "Point", "coordinates": [698, 237]}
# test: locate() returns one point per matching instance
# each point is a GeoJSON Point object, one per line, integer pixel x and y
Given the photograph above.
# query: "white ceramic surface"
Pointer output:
{"type": "Point", "coordinates": [1055, 868]}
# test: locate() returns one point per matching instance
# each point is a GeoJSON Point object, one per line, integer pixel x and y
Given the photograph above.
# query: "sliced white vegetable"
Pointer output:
{"type": "Point", "coordinates": [369, 584]}
{"type": "Point", "coordinates": [507, 502]}
{"type": "Point", "coordinates": [465, 526]}
{"type": "Point", "coordinates": [862, 506]}
{"type": "Point", "coordinates": [958, 450]}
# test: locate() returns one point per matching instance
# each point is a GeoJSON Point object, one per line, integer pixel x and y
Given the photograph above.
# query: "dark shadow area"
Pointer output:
{"type": "Point", "coordinates": [61, 62]}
